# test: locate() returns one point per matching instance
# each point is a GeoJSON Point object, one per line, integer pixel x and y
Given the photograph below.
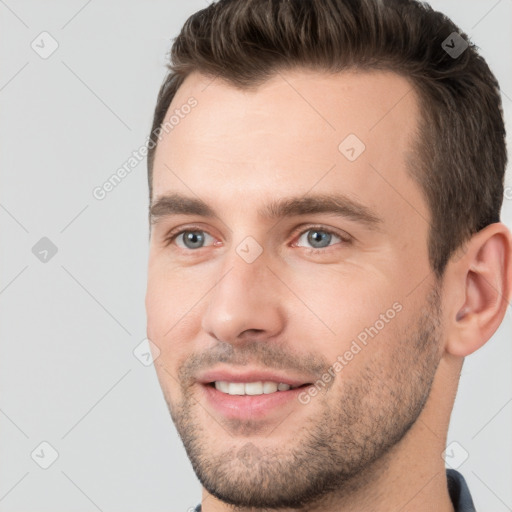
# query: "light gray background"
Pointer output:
{"type": "Point", "coordinates": [68, 375]}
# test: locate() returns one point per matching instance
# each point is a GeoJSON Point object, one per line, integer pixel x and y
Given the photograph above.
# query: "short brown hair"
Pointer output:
{"type": "Point", "coordinates": [460, 150]}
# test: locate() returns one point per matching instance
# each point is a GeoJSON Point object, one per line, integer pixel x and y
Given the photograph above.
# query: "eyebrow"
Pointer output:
{"type": "Point", "coordinates": [336, 204]}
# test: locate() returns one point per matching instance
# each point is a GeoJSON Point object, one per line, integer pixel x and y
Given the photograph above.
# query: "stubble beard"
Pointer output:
{"type": "Point", "coordinates": [333, 452]}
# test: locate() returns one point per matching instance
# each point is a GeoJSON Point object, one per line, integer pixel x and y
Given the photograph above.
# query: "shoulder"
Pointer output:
{"type": "Point", "coordinates": [459, 492]}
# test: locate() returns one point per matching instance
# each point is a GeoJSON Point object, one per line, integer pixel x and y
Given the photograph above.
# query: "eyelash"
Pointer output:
{"type": "Point", "coordinates": [346, 239]}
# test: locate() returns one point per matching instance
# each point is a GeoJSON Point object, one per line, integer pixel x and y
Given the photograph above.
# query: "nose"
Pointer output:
{"type": "Point", "coordinates": [246, 302]}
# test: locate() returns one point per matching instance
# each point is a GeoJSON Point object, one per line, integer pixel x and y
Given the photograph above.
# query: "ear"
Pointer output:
{"type": "Point", "coordinates": [477, 290]}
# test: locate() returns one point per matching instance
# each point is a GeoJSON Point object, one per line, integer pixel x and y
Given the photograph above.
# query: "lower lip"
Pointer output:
{"type": "Point", "coordinates": [250, 406]}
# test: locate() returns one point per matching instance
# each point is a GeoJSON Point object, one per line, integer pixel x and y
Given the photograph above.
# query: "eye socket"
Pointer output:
{"type": "Point", "coordinates": [314, 231]}
{"type": "Point", "coordinates": [193, 238]}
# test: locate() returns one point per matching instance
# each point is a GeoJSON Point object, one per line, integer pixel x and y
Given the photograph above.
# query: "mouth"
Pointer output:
{"type": "Point", "coordinates": [257, 394]}
{"type": "Point", "coordinates": [253, 388]}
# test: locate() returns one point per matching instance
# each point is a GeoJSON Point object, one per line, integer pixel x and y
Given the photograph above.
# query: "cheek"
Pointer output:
{"type": "Point", "coordinates": [158, 305]}
{"type": "Point", "coordinates": [168, 297]}
{"type": "Point", "coordinates": [172, 314]}
{"type": "Point", "coordinates": [353, 320]}
{"type": "Point", "coordinates": [340, 304]}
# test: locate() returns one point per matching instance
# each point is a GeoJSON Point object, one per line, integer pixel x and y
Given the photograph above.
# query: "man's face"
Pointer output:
{"type": "Point", "coordinates": [341, 303]}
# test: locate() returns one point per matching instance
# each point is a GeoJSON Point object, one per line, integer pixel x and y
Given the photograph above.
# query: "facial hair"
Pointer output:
{"type": "Point", "coordinates": [335, 448]}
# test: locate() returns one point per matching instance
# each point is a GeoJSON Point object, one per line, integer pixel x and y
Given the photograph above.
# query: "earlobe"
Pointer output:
{"type": "Point", "coordinates": [484, 277]}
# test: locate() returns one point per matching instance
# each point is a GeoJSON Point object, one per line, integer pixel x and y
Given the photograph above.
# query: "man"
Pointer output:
{"type": "Point", "coordinates": [326, 178]}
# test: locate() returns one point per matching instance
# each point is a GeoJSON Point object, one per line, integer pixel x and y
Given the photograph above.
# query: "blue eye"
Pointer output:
{"type": "Point", "coordinates": [192, 239]}
{"type": "Point", "coordinates": [318, 238]}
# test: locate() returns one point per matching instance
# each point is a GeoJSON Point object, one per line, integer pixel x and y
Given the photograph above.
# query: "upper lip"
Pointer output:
{"type": "Point", "coordinates": [232, 375]}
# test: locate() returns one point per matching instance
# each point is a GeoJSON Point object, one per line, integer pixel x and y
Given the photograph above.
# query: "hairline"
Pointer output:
{"type": "Point", "coordinates": [415, 157]}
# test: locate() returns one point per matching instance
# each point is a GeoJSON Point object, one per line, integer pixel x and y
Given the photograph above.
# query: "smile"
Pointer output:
{"type": "Point", "coordinates": [251, 388]}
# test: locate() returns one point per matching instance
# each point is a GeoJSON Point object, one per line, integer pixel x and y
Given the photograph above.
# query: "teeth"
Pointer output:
{"type": "Point", "coordinates": [236, 388]}
{"type": "Point", "coordinates": [269, 387]}
{"type": "Point", "coordinates": [250, 388]}
{"type": "Point", "coordinates": [253, 388]}
{"type": "Point", "coordinates": [222, 385]}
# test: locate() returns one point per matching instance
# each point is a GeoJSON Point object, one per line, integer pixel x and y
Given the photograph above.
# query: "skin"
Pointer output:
{"type": "Point", "coordinates": [382, 422]}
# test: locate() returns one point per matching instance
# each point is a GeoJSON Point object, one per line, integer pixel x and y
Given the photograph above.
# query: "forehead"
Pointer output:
{"type": "Point", "coordinates": [301, 130]}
